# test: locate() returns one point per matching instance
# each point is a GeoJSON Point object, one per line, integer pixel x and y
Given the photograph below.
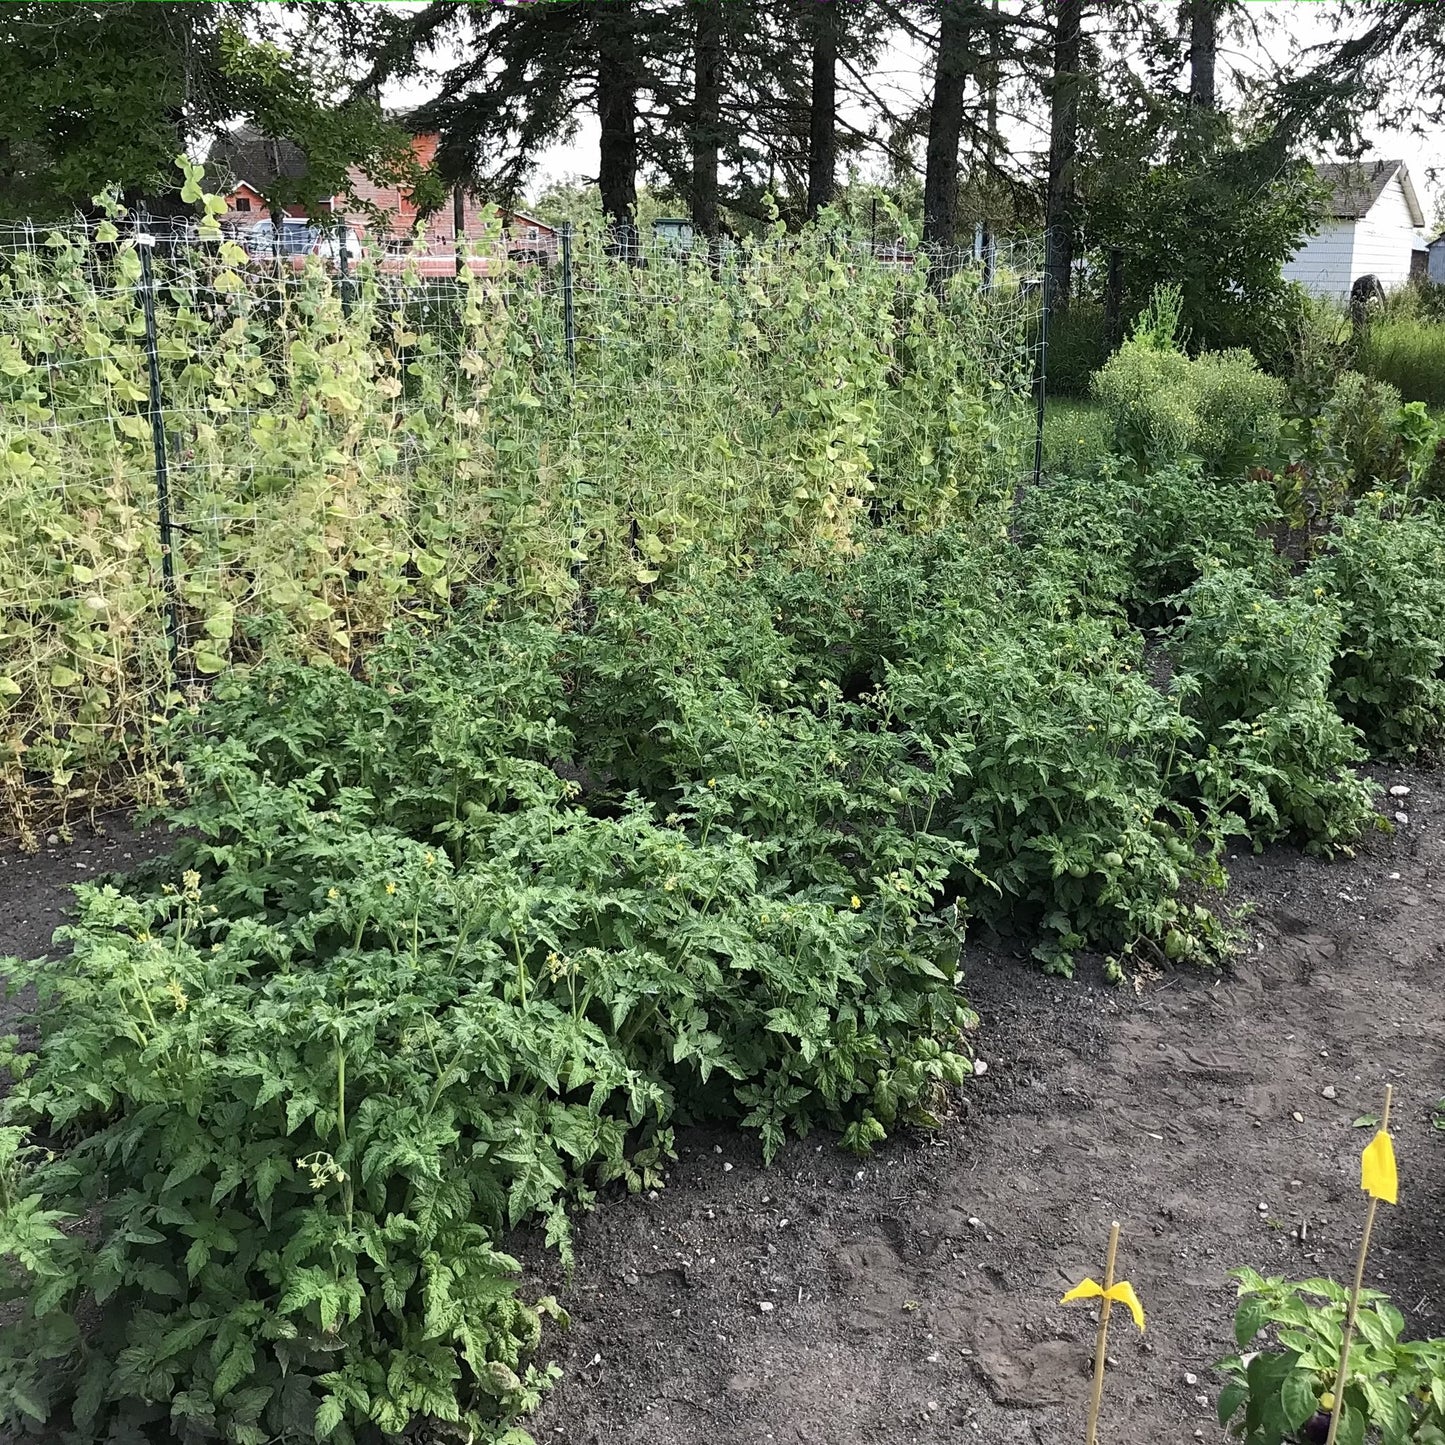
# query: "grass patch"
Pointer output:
{"type": "Point", "coordinates": [1409, 353]}
{"type": "Point", "coordinates": [1076, 434]}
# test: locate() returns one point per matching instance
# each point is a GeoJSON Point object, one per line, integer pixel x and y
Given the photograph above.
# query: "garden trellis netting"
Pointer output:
{"type": "Point", "coordinates": [342, 451]}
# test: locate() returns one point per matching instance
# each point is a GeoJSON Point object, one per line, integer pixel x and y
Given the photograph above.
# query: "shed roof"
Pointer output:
{"type": "Point", "coordinates": [1355, 186]}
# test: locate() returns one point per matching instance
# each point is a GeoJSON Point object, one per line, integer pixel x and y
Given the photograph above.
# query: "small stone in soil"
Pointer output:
{"type": "Point", "coordinates": [1402, 818]}
{"type": "Point", "coordinates": [979, 1067]}
{"type": "Point", "coordinates": [765, 1306]}
{"type": "Point", "coordinates": [727, 1168]}
{"type": "Point", "coordinates": [1297, 1117]}
{"type": "Point", "coordinates": [1399, 791]}
{"type": "Point", "coordinates": [1191, 1379]}
{"type": "Point", "coordinates": [1328, 1092]}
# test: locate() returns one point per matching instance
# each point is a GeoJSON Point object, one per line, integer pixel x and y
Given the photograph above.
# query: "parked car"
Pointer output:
{"type": "Point", "coordinates": [296, 238]}
{"type": "Point", "coordinates": [331, 245]}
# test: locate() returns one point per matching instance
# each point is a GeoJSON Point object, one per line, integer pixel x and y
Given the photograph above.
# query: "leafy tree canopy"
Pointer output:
{"type": "Point", "coordinates": [108, 94]}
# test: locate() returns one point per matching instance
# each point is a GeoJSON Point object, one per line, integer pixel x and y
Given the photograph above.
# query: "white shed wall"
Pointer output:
{"type": "Point", "coordinates": [1324, 265]}
{"type": "Point", "coordinates": [1385, 238]}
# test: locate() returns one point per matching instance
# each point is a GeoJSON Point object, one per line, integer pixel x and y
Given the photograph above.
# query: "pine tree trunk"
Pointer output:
{"type": "Point", "coordinates": [1203, 52]}
{"type": "Point", "coordinates": [945, 125]}
{"type": "Point", "coordinates": [707, 117]}
{"type": "Point", "coordinates": [823, 107]}
{"type": "Point", "coordinates": [1064, 89]}
{"type": "Point", "coordinates": [617, 69]}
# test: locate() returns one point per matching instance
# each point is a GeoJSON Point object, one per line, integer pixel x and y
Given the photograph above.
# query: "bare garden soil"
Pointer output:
{"type": "Point", "coordinates": [914, 1296]}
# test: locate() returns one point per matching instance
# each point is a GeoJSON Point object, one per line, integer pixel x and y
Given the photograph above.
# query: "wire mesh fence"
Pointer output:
{"type": "Point", "coordinates": [207, 456]}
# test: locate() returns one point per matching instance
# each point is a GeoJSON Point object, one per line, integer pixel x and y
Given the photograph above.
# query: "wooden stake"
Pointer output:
{"type": "Point", "coordinates": [1354, 1306]}
{"type": "Point", "coordinates": [1102, 1343]}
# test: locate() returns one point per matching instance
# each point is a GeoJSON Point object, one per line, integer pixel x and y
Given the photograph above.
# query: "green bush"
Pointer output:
{"type": "Point", "coordinates": [1362, 423]}
{"type": "Point", "coordinates": [1140, 539]}
{"type": "Point", "coordinates": [1237, 408]}
{"type": "Point", "coordinates": [1165, 406]}
{"type": "Point", "coordinates": [966, 710]}
{"type": "Point", "coordinates": [1255, 670]}
{"type": "Point", "coordinates": [1386, 577]}
{"type": "Point", "coordinates": [1408, 352]}
{"type": "Point", "coordinates": [1145, 393]}
{"type": "Point", "coordinates": [416, 987]}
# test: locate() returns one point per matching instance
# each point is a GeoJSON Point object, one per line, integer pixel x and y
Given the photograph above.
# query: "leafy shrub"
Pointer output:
{"type": "Point", "coordinates": [996, 740]}
{"type": "Point", "coordinates": [1362, 422]}
{"type": "Point", "coordinates": [1386, 577]}
{"type": "Point", "coordinates": [1164, 406]}
{"type": "Point", "coordinates": [1237, 409]}
{"type": "Point", "coordinates": [1409, 353]}
{"type": "Point", "coordinates": [412, 990]}
{"type": "Point", "coordinates": [1139, 539]}
{"type": "Point", "coordinates": [1281, 1391]}
{"type": "Point", "coordinates": [1145, 392]}
{"type": "Point", "coordinates": [1255, 670]}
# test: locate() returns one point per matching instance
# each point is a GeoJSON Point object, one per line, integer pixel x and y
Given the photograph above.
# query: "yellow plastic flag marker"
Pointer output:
{"type": "Point", "coordinates": [1121, 1293]}
{"type": "Point", "coordinates": [1378, 1176]}
{"type": "Point", "coordinates": [1111, 1292]}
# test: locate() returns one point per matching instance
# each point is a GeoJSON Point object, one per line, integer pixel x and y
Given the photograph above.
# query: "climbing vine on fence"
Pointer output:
{"type": "Point", "coordinates": [332, 467]}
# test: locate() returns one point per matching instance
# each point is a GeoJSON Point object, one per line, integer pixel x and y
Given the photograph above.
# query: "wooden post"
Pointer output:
{"type": "Point", "coordinates": [1102, 1343]}
{"type": "Point", "coordinates": [1354, 1306]}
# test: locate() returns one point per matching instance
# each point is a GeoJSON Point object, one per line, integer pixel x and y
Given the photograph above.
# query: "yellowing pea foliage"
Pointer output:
{"type": "Point", "coordinates": [333, 469]}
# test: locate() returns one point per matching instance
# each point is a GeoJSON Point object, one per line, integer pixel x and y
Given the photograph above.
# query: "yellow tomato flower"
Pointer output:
{"type": "Point", "coordinates": [390, 886]}
{"type": "Point", "coordinates": [856, 901]}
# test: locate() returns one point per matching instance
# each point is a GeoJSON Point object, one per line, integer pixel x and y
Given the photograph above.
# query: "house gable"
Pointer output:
{"type": "Point", "coordinates": [1386, 236]}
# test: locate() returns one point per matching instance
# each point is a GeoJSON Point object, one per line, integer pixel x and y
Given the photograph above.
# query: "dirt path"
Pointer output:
{"type": "Point", "coordinates": [915, 1298]}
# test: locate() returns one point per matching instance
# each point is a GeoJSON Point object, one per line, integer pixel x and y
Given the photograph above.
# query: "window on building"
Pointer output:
{"type": "Point", "coordinates": [243, 203]}
{"type": "Point", "coordinates": [531, 233]}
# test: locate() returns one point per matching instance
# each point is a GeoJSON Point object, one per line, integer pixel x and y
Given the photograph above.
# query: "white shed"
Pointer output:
{"type": "Point", "coordinates": [1373, 225]}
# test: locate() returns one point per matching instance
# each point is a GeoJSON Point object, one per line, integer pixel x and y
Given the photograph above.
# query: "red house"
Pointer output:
{"type": "Point", "coordinates": [244, 165]}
